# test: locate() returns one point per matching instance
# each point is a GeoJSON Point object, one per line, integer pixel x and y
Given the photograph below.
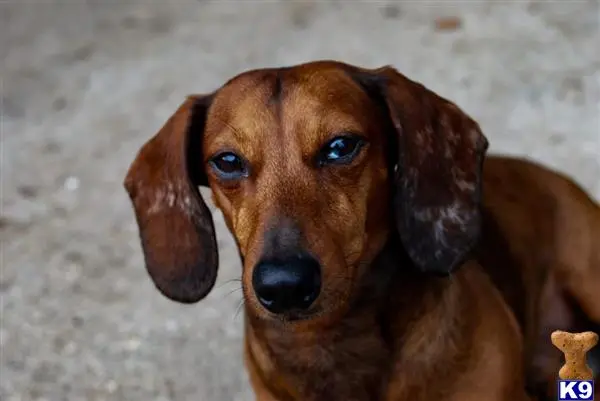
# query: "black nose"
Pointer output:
{"type": "Point", "coordinates": [289, 285]}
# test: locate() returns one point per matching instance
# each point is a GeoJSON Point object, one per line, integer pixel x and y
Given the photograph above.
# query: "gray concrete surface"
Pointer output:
{"type": "Point", "coordinates": [84, 84]}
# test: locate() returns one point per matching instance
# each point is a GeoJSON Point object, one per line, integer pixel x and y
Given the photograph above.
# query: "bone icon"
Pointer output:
{"type": "Point", "coordinates": [575, 347]}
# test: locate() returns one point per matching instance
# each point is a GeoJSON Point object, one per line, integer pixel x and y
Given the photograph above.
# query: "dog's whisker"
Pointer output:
{"type": "Point", "coordinates": [231, 281]}
{"type": "Point", "coordinates": [239, 308]}
{"type": "Point", "coordinates": [232, 291]}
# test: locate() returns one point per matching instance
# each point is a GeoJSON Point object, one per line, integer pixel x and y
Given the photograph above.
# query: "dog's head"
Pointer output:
{"type": "Point", "coordinates": [313, 166]}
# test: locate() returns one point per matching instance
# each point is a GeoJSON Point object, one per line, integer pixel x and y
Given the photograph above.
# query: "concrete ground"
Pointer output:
{"type": "Point", "coordinates": [85, 83]}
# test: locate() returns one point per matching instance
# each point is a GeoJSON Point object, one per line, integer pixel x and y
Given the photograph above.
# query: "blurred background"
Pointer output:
{"type": "Point", "coordinates": [85, 83]}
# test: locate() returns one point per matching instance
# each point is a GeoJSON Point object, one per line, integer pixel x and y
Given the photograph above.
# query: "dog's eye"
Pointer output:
{"type": "Point", "coordinates": [341, 150]}
{"type": "Point", "coordinates": [228, 165]}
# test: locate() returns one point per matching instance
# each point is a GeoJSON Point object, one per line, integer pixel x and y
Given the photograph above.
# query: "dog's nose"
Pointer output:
{"type": "Point", "coordinates": [286, 286]}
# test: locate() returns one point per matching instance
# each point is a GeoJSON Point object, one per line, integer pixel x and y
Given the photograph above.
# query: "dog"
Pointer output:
{"type": "Point", "coordinates": [385, 255]}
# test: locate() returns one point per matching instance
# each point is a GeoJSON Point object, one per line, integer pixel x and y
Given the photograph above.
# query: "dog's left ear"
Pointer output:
{"type": "Point", "coordinates": [438, 172]}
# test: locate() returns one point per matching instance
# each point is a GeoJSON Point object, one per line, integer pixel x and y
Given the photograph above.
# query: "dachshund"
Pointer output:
{"type": "Point", "coordinates": [385, 256]}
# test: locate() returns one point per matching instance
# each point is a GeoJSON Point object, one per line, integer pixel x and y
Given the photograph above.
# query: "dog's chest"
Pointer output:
{"type": "Point", "coordinates": [329, 368]}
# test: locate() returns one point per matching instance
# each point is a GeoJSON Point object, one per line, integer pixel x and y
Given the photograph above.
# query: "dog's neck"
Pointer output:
{"type": "Point", "coordinates": [351, 358]}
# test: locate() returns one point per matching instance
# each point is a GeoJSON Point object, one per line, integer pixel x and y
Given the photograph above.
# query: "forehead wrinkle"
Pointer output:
{"type": "Point", "coordinates": [265, 89]}
{"type": "Point", "coordinates": [277, 90]}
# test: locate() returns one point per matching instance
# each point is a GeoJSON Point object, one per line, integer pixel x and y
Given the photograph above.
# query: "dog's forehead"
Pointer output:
{"type": "Point", "coordinates": [309, 99]}
{"type": "Point", "coordinates": [316, 85]}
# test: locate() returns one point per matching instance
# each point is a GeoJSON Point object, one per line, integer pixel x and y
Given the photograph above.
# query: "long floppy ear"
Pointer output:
{"type": "Point", "coordinates": [175, 225]}
{"type": "Point", "coordinates": [438, 174]}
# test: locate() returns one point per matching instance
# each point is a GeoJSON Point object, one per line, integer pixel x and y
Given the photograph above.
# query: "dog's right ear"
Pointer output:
{"type": "Point", "coordinates": [176, 228]}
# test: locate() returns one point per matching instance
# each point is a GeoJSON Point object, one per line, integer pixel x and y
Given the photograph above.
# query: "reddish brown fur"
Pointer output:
{"type": "Point", "coordinates": [380, 330]}
{"type": "Point", "coordinates": [284, 138]}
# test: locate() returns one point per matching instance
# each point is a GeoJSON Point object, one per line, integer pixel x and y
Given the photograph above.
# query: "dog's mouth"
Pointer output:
{"type": "Point", "coordinates": [301, 317]}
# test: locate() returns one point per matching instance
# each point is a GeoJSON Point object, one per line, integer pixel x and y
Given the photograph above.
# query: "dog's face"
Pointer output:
{"type": "Point", "coordinates": [312, 167]}
{"type": "Point", "coordinates": [296, 162]}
